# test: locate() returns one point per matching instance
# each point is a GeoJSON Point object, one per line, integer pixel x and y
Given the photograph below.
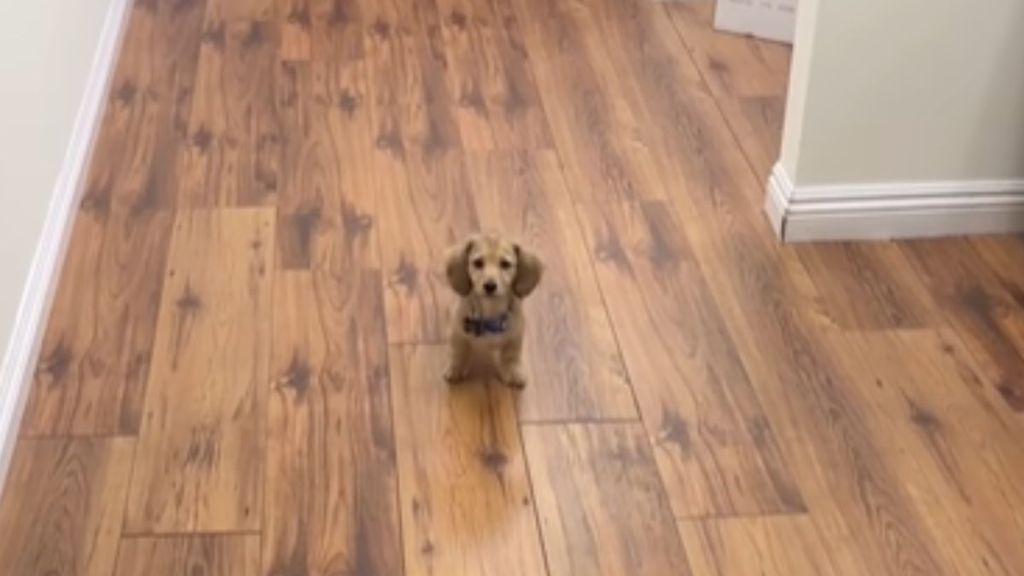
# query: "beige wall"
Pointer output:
{"type": "Point", "coordinates": [906, 91]}
{"type": "Point", "coordinates": [46, 52]}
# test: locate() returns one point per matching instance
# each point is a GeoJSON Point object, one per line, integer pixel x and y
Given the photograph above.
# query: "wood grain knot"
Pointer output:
{"type": "Point", "coordinates": [356, 223]}
{"type": "Point", "coordinates": [473, 100]}
{"type": "Point", "coordinates": [1013, 396]}
{"type": "Point", "coordinates": [189, 301]}
{"type": "Point", "coordinates": [494, 460]}
{"type": "Point", "coordinates": [299, 16]}
{"type": "Point", "coordinates": [608, 250]}
{"type": "Point", "coordinates": [348, 102]}
{"type": "Point", "coordinates": [675, 430]}
{"type": "Point", "coordinates": [391, 141]}
{"type": "Point", "coordinates": [126, 93]}
{"type": "Point", "coordinates": [427, 548]}
{"type": "Point", "coordinates": [406, 276]}
{"type": "Point", "coordinates": [57, 363]}
{"type": "Point", "coordinates": [255, 36]}
{"type": "Point", "coordinates": [215, 36]}
{"type": "Point", "coordinates": [457, 19]}
{"type": "Point", "coordinates": [96, 200]}
{"type": "Point", "coordinates": [202, 138]}
{"type": "Point", "coordinates": [381, 29]}
{"type": "Point", "coordinates": [298, 376]}
{"type": "Point", "coordinates": [923, 418]}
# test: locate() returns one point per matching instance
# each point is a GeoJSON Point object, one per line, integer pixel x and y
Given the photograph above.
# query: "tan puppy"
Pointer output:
{"type": "Point", "coordinates": [492, 276]}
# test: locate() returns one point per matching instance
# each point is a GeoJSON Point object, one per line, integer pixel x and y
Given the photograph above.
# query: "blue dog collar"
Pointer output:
{"type": "Point", "coordinates": [485, 326]}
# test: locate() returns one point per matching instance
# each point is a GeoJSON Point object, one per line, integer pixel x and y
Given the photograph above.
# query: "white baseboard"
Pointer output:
{"type": "Point", "coordinates": [893, 210]}
{"type": "Point", "coordinates": [773, 20]}
{"type": "Point", "coordinates": [16, 372]}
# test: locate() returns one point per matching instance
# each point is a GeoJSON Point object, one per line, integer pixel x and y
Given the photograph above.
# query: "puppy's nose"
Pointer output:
{"type": "Point", "coordinates": [490, 286]}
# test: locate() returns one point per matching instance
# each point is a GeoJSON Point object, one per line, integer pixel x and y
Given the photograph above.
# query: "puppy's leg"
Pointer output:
{"type": "Point", "coordinates": [509, 370]}
{"type": "Point", "coordinates": [458, 361]}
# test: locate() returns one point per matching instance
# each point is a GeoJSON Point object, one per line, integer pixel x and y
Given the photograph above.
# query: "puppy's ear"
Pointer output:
{"type": "Point", "coordinates": [529, 270]}
{"type": "Point", "coordinates": [457, 268]}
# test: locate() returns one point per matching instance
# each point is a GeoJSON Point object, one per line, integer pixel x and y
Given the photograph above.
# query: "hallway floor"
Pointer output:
{"type": "Point", "coordinates": [242, 372]}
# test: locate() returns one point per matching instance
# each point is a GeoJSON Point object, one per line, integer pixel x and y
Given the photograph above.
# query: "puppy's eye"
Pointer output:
{"type": "Point", "coordinates": [505, 264]}
{"type": "Point", "coordinates": [478, 263]}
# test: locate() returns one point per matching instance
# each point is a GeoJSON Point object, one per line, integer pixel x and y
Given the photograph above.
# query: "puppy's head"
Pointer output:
{"type": "Point", "coordinates": [492, 267]}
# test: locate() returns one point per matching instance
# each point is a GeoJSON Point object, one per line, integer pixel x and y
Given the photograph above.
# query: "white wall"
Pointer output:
{"type": "Point", "coordinates": [46, 54]}
{"type": "Point", "coordinates": [799, 79]}
{"type": "Point", "coordinates": [889, 91]}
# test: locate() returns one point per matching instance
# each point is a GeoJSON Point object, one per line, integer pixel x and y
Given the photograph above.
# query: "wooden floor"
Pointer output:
{"type": "Point", "coordinates": [242, 373]}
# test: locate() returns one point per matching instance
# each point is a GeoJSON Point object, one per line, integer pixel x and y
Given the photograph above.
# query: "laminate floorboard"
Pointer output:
{"type": "Point", "coordinates": [224, 555]}
{"type": "Point", "coordinates": [96, 351]}
{"type": "Point", "coordinates": [331, 500]}
{"type": "Point", "coordinates": [242, 368]}
{"type": "Point", "coordinates": [602, 508]}
{"type": "Point", "coordinates": [765, 546]}
{"type": "Point", "coordinates": [203, 428]}
{"type": "Point", "coordinates": [63, 504]}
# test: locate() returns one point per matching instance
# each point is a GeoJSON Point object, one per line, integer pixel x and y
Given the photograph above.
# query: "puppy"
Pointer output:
{"type": "Point", "coordinates": [492, 276]}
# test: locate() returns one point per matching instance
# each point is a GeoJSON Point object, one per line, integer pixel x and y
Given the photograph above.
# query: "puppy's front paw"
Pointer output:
{"type": "Point", "coordinates": [513, 378]}
{"type": "Point", "coordinates": [455, 374]}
